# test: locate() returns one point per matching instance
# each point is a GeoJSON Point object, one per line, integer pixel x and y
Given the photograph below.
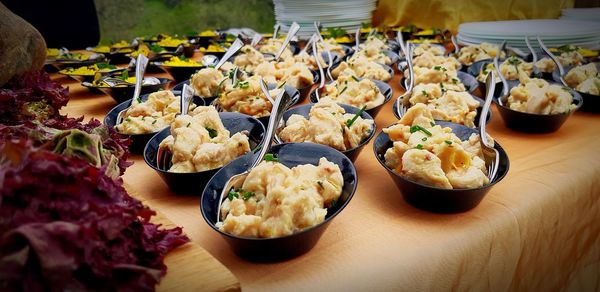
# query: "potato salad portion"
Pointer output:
{"type": "Point", "coordinates": [447, 78]}
{"type": "Point", "coordinates": [430, 60]}
{"type": "Point", "coordinates": [348, 89]}
{"type": "Point", "coordinates": [332, 46]}
{"type": "Point", "coordinates": [584, 79]}
{"type": "Point", "coordinates": [328, 124]}
{"type": "Point", "coordinates": [427, 47]}
{"type": "Point", "coordinates": [150, 116]}
{"type": "Point", "coordinates": [206, 82]}
{"type": "Point", "coordinates": [446, 105]}
{"type": "Point", "coordinates": [245, 96]}
{"type": "Point", "coordinates": [537, 96]}
{"type": "Point", "coordinates": [373, 49]}
{"type": "Point", "coordinates": [273, 45]}
{"type": "Point", "coordinates": [276, 201]}
{"type": "Point", "coordinates": [432, 155]}
{"type": "Point", "coordinates": [510, 69]}
{"type": "Point", "coordinates": [200, 142]}
{"type": "Point", "coordinates": [360, 66]}
{"type": "Point", "coordinates": [473, 53]}
{"type": "Point", "coordinates": [248, 58]}
{"type": "Point", "coordinates": [290, 72]}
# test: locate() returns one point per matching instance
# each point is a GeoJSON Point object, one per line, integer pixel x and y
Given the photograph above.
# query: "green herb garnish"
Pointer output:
{"type": "Point", "coordinates": [351, 121]}
{"type": "Point", "coordinates": [448, 142]}
{"type": "Point", "coordinates": [343, 89]}
{"type": "Point", "coordinates": [355, 78]}
{"type": "Point", "coordinates": [320, 183]}
{"type": "Point", "coordinates": [282, 84]}
{"type": "Point", "coordinates": [425, 93]}
{"type": "Point", "coordinates": [233, 194]}
{"type": "Point", "coordinates": [154, 122]}
{"type": "Point", "coordinates": [416, 128]}
{"type": "Point", "coordinates": [419, 146]}
{"type": "Point", "coordinates": [424, 139]}
{"type": "Point", "coordinates": [211, 132]}
{"type": "Point", "coordinates": [247, 195]}
{"type": "Point", "coordinates": [156, 48]}
{"type": "Point", "coordinates": [124, 75]}
{"type": "Point", "coordinates": [105, 66]}
{"type": "Point", "coordinates": [432, 124]}
{"type": "Point", "coordinates": [188, 124]}
{"type": "Point", "coordinates": [271, 157]}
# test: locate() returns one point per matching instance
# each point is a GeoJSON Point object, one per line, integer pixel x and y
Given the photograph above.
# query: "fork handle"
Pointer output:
{"type": "Point", "coordinates": [561, 70]}
{"type": "Point", "coordinates": [140, 68]}
{"type": "Point", "coordinates": [236, 46]}
{"type": "Point", "coordinates": [281, 102]}
{"type": "Point", "coordinates": [490, 87]}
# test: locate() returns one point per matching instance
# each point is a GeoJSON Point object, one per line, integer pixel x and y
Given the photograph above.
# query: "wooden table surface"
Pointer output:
{"type": "Point", "coordinates": [379, 242]}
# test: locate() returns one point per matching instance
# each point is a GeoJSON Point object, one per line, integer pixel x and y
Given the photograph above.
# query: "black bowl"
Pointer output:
{"type": "Point", "coordinates": [179, 73]}
{"type": "Point", "coordinates": [385, 89]}
{"type": "Point", "coordinates": [65, 63]}
{"type": "Point", "coordinates": [123, 93]}
{"type": "Point", "coordinates": [591, 103]}
{"type": "Point", "coordinates": [304, 111]}
{"type": "Point", "coordinates": [481, 102]}
{"type": "Point", "coordinates": [138, 141]}
{"type": "Point", "coordinates": [90, 78]}
{"type": "Point", "coordinates": [535, 123]}
{"type": "Point", "coordinates": [437, 199]}
{"type": "Point", "coordinates": [274, 249]}
{"type": "Point", "coordinates": [393, 56]}
{"type": "Point", "coordinates": [194, 182]}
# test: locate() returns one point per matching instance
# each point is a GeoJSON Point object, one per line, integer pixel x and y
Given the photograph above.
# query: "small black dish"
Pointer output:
{"type": "Point", "coordinates": [481, 102]}
{"type": "Point", "coordinates": [437, 199]}
{"type": "Point", "coordinates": [280, 248]}
{"type": "Point", "coordinates": [65, 63]}
{"type": "Point", "coordinates": [535, 123]}
{"type": "Point", "coordinates": [123, 93]}
{"type": "Point", "coordinates": [384, 88]}
{"type": "Point", "coordinates": [194, 182]}
{"type": "Point", "coordinates": [304, 111]}
{"type": "Point", "coordinates": [591, 103]}
{"type": "Point", "coordinates": [138, 141]}
{"type": "Point", "coordinates": [179, 73]}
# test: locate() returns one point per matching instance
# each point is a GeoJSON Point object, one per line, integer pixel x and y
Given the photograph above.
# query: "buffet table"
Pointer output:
{"type": "Point", "coordinates": [536, 230]}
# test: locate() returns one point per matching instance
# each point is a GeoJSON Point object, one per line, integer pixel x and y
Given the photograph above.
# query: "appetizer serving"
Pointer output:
{"type": "Point", "coordinates": [276, 201]}
{"type": "Point", "coordinates": [428, 47]}
{"type": "Point", "coordinates": [433, 155]}
{"type": "Point", "coordinates": [584, 79]}
{"type": "Point", "coordinates": [181, 62]}
{"type": "Point", "coordinates": [245, 96]}
{"type": "Point", "coordinates": [200, 142]}
{"type": "Point", "coordinates": [328, 124]}
{"type": "Point", "coordinates": [349, 89]}
{"type": "Point", "coordinates": [151, 115]}
{"type": "Point", "coordinates": [446, 105]}
{"type": "Point", "coordinates": [473, 53]}
{"type": "Point", "coordinates": [207, 81]}
{"type": "Point", "coordinates": [537, 96]}
{"type": "Point", "coordinates": [290, 72]}
{"type": "Point", "coordinates": [360, 66]}
{"type": "Point", "coordinates": [429, 60]}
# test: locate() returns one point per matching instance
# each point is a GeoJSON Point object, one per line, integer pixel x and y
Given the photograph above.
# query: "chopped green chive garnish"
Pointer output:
{"type": "Point", "coordinates": [424, 139]}
{"type": "Point", "coordinates": [233, 194]}
{"type": "Point", "coordinates": [419, 146]}
{"type": "Point", "coordinates": [188, 124]}
{"type": "Point", "coordinates": [350, 122]}
{"type": "Point", "coordinates": [419, 128]}
{"type": "Point", "coordinates": [425, 93]}
{"type": "Point", "coordinates": [271, 157]}
{"type": "Point", "coordinates": [344, 89]}
{"type": "Point", "coordinates": [448, 142]}
{"type": "Point", "coordinates": [211, 132]}
{"type": "Point", "coordinates": [282, 84]}
{"type": "Point", "coordinates": [355, 79]}
{"type": "Point", "coordinates": [247, 195]}
{"type": "Point", "coordinates": [320, 183]}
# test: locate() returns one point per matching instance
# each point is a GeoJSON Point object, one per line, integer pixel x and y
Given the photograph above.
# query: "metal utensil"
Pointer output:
{"type": "Point", "coordinates": [536, 71]}
{"type": "Point", "coordinates": [235, 46]}
{"type": "Point", "coordinates": [357, 41]}
{"type": "Point", "coordinates": [455, 44]}
{"type": "Point", "coordinates": [163, 155]}
{"type": "Point", "coordinates": [491, 157]}
{"type": "Point", "coordinates": [210, 60]}
{"type": "Point", "coordinates": [309, 44]}
{"type": "Point", "coordinates": [561, 69]}
{"type": "Point", "coordinates": [140, 68]}
{"type": "Point", "coordinates": [236, 181]}
{"type": "Point", "coordinates": [265, 88]}
{"type": "Point", "coordinates": [291, 33]}
{"type": "Point", "coordinates": [276, 30]}
{"type": "Point", "coordinates": [321, 73]}
{"type": "Point", "coordinates": [502, 78]}
{"type": "Point", "coordinates": [256, 39]}
{"type": "Point", "coordinates": [401, 107]}
{"type": "Point", "coordinates": [401, 43]}
{"type": "Point", "coordinates": [326, 47]}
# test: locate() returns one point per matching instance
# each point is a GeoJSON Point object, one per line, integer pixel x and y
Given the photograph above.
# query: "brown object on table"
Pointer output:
{"type": "Point", "coordinates": [22, 47]}
{"type": "Point", "coordinates": [537, 230]}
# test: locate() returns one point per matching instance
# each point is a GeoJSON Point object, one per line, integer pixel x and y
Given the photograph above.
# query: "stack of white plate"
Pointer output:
{"type": "Point", "coordinates": [587, 14]}
{"type": "Point", "coordinates": [554, 32]}
{"type": "Point", "coordinates": [330, 13]}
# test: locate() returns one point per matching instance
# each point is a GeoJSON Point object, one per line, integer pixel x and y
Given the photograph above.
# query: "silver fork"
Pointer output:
{"type": "Point", "coordinates": [256, 39]}
{"type": "Point", "coordinates": [140, 68]}
{"type": "Point", "coordinates": [164, 156]}
{"type": "Point", "coordinates": [536, 71]}
{"type": "Point", "coordinates": [236, 181]}
{"type": "Point", "coordinates": [491, 157]}
{"type": "Point", "coordinates": [291, 33]}
{"type": "Point", "coordinates": [400, 40]}
{"type": "Point", "coordinates": [326, 47]}
{"type": "Point", "coordinates": [455, 44]}
{"type": "Point", "coordinates": [401, 107]}
{"type": "Point", "coordinates": [561, 69]}
{"type": "Point", "coordinates": [502, 79]}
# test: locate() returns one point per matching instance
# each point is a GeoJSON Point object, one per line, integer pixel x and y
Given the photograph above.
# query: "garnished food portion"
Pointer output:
{"type": "Point", "coordinates": [569, 55]}
{"type": "Point", "coordinates": [351, 90]}
{"type": "Point", "coordinates": [446, 78]}
{"type": "Point", "coordinates": [88, 70]}
{"type": "Point", "coordinates": [200, 142]}
{"type": "Point", "coordinates": [171, 42]}
{"type": "Point", "coordinates": [52, 52]}
{"type": "Point", "coordinates": [328, 124]}
{"type": "Point", "coordinates": [473, 53]}
{"type": "Point", "coordinates": [446, 105]}
{"type": "Point", "coordinates": [149, 116]}
{"type": "Point", "coordinates": [332, 45]}
{"type": "Point", "coordinates": [73, 57]}
{"type": "Point", "coordinates": [537, 96]}
{"type": "Point", "coordinates": [433, 155]}
{"type": "Point", "coordinates": [127, 80]}
{"type": "Point", "coordinates": [290, 72]}
{"type": "Point", "coordinates": [426, 46]}
{"type": "Point", "coordinates": [119, 47]}
{"type": "Point", "coordinates": [584, 79]}
{"type": "Point", "coordinates": [374, 50]}
{"type": "Point", "coordinates": [510, 69]}
{"type": "Point", "coordinates": [213, 48]}
{"type": "Point", "coordinates": [276, 201]}
{"type": "Point", "coordinates": [430, 60]}
{"type": "Point", "coordinates": [273, 45]}
{"type": "Point", "coordinates": [208, 33]}
{"type": "Point", "coordinates": [246, 96]}
{"type": "Point", "coordinates": [248, 58]}
{"type": "Point", "coordinates": [181, 62]}
{"type": "Point", "coordinates": [207, 81]}
{"type": "Point", "coordinates": [360, 66]}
